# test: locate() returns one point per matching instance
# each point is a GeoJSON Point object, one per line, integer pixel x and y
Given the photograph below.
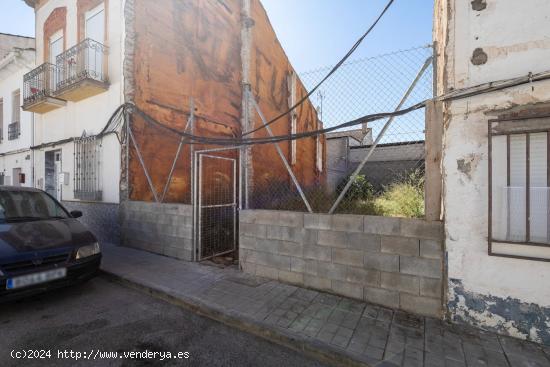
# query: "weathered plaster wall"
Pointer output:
{"type": "Point", "coordinates": [479, 42]}
{"type": "Point", "coordinates": [91, 114]}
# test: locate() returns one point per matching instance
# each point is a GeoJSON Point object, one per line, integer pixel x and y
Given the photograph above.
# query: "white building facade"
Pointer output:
{"type": "Point", "coordinates": [496, 174]}
{"type": "Point", "coordinates": [74, 90]}
{"type": "Point", "coordinates": [16, 58]}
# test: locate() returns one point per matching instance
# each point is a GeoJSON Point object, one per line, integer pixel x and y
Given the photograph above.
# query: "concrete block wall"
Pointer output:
{"type": "Point", "coordinates": [394, 262]}
{"type": "Point", "coordinates": [165, 229]}
{"type": "Point", "coordinates": [102, 219]}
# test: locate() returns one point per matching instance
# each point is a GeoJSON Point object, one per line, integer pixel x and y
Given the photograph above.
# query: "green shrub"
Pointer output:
{"type": "Point", "coordinates": [403, 199]}
{"type": "Point", "coordinates": [360, 189]}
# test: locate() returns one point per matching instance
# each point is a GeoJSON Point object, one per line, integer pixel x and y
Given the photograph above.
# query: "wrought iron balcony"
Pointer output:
{"type": "Point", "coordinates": [14, 130]}
{"type": "Point", "coordinates": [82, 71]}
{"type": "Point", "coordinates": [39, 89]}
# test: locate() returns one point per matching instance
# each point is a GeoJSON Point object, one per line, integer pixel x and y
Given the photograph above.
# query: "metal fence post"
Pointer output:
{"type": "Point", "coordinates": [149, 181]}
{"type": "Point", "coordinates": [180, 145]}
{"type": "Point", "coordinates": [288, 168]}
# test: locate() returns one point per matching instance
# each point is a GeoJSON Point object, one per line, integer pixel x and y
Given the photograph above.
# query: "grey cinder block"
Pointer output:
{"type": "Point", "coordinates": [270, 246]}
{"type": "Point", "coordinates": [382, 297]}
{"type": "Point", "coordinates": [419, 266]}
{"type": "Point", "coordinates": [347, 223]}
{"type": "Point", "coordinates": [290, 219]}
{"type": "Point", "coordinates": [432, 249]}
{"type": "Point", "coordinates": [246, 216]}
{"type": "Point", "coordinates": [422, 229]}
{"type": "Point", "coordinates": [347, 257]}
{"type": "Point", "coordinates": [421, 305]}
{"type": "Point", "coordinates": [430, 287]}
{"type": "Point", "coordinates": [364, 241]}
{"type": "Point", "coordinates": [317, 221]}
{"type": "Point", "coordinates": [317, 282]}
{"type": "Point", "coordinates": [332, 239]}
{"type": "Point", "coordinates": [291, 277]}
{"type": "Point", "coordinates": [362, 276]}
{"type": "Point", "coordinates": [317, 253]}
{"type": "Point", "coordinates": [347, 289]}
{"type": "Point", "coordinates": [400, 282]}
{"type": "Point", "coordinates": [400, 245]}
{"type": "Point", "coordinates": [297, 265]}
{"type": "Point", "coordinates": [384, 262]}
{"type": "Point", "coordinates": [253, 230]}
{"type": "Point", "coordinates": [285, 233]}
{"type": "Point", "coordinates": [381, 225]}
{"type": "Point", "coordinates": [246, 242]}
{"type": "Point", "coordinates": [290, 249]}
{"type": "Point", "coordinates": [331, 271]}
{"type": "Point", "coordinates": [267, 272]}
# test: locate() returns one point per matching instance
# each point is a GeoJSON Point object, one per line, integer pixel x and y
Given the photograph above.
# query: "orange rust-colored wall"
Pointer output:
{"type": "Point", "coordinates": [191, 48]}
{"type": "Point", "coordinates": [184, 49]}
{"type": "Point", "coordinates": [269, 69]}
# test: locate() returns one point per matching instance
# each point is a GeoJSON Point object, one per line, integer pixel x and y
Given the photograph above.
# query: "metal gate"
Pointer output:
{"type": "Point", "coordinates": [215, 204]}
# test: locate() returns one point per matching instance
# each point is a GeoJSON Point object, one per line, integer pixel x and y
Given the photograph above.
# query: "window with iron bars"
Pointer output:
{"type": "Point", "coordinates": [87, 161]}
{"type": "Point", "coordinates": [519, 163]}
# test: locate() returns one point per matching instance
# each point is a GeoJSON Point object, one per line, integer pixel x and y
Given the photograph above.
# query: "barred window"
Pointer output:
{"type": "Point", "coordinates": [519, 184]}
{"type": "Point", "coordinates": [87, 160]}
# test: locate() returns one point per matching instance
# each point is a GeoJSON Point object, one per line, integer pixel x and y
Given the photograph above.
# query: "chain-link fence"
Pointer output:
{"type": "Point", "coordinates": [391, 180]}
{"type": "Point", "coordinates": [311, 173]}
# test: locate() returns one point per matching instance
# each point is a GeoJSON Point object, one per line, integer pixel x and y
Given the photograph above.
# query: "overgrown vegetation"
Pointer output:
{"type": "Point", "coordinates": [403, 198]}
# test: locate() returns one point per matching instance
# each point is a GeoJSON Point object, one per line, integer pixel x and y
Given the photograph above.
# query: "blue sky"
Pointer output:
{"type": "Point", "coordinates": [314, 33]}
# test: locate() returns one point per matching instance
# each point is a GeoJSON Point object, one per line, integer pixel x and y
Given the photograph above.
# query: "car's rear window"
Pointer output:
{"type": "Point", "coordinates": [31, 205]}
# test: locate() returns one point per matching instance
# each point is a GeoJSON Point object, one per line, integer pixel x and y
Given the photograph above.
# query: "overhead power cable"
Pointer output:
{"type": "Point", "coordinates": [195, 139]}
{"type": "Point", "coordinates": [332, 71]}
{"type": "Point", "coordinates": [115, 122]}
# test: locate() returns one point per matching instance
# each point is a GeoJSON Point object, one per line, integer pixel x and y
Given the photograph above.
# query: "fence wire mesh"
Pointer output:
{"type": "Point", "coordinates": [391, 182]}
{"type": "Point", "coordinates": [310, 173]}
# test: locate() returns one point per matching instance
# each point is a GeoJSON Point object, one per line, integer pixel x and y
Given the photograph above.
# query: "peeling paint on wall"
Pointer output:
{"type": "Point", "coordinates": [479, 57]}
{"type": "Point", "coordinates": [478, 5]}
{"type": "Point", "coordinates": [507, 316]}
{"type": "Point", "coordinates": [468, 164]}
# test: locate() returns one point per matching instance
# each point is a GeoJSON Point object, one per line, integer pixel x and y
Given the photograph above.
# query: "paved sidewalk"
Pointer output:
{"type": "Point", "coordinates": [333, 328]}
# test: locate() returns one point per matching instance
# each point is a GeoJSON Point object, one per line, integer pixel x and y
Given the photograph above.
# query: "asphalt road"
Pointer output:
{"type": "Point", "coordinates": [107, 317]}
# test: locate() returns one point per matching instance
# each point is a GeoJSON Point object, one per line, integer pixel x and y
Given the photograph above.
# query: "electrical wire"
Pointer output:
{"type": "Point", "coordinates": [332, 71]}
{"type": "Point", "coordinates": [195, 139]}
{"type": "Point", "coordinates": [115, 122]}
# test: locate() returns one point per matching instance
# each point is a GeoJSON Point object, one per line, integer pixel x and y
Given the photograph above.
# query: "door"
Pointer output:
{"type": "Point", "coordinates": [56, 49]}
{"type": "Point", "coordinates": [216, 205]}
{"type": "Point", "coordinates": [95, 31]}
{"type": "Point", "coordinates": [52, 164]}
{"type": "Point", "coordinates": [16, 176]}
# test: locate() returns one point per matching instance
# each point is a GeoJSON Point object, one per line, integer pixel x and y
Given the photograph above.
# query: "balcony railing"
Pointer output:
{"type": "Point", "coordinates": [14, 130]}
{"type": "Point", "coordinates": [80, 72]}
{"type": "Point", "coordinates": [86, 60]}
{"type": "Point", "coordinates": [39, 83]}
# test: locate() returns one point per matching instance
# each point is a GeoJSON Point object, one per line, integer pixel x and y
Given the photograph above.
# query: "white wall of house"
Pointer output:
{"type": "Point", "coordinates": [89, 115]}
{"type": "Point", "coordinates": [513, 35]}
{"type": "Point", "coordinates": [15, 154]}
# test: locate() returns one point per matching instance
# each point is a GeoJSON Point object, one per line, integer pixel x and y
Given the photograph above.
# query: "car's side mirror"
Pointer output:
{"type": "Point", "coordinates": [76, 213]}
